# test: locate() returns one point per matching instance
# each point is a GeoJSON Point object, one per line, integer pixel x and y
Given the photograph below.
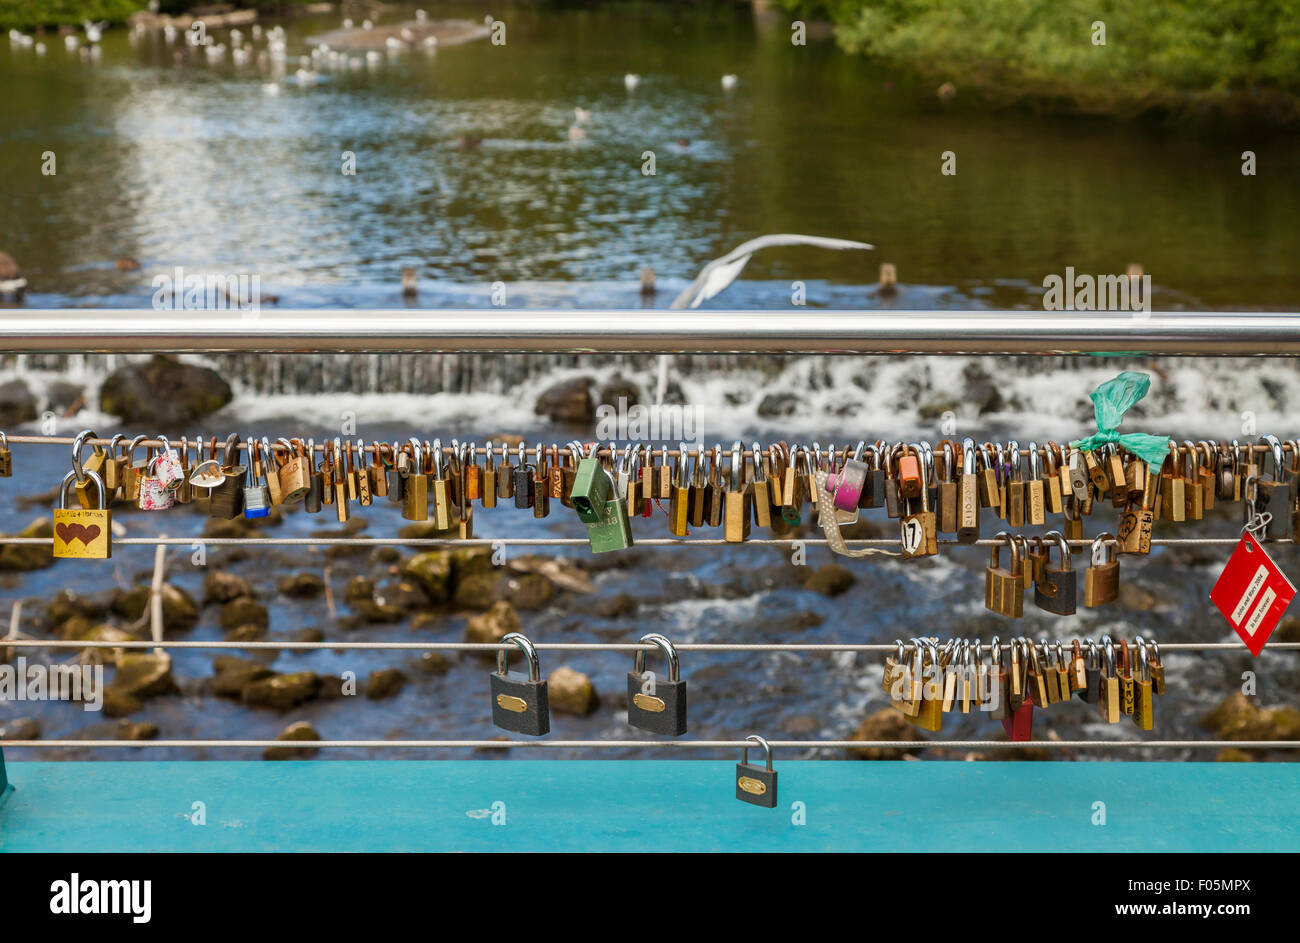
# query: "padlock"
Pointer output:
{"type": "Point", "coordinates": [361, 475]}
{"type": "Point", "coordinates": [113, 466]}
{"type": "Point", "coordinates": [154, 494]}
{"type": "Point", "coordinates": [908, 467]}
{"type": "Point", "coordinates": [517, 704]}
{"type": "Point", "coordinates": [994, 684]}
{"type": "Point", "coordinates": [378, 472]}
{"type": "Point", "coordinates": [1056, 587]}
{"type": "Point", "coordinates": [227, 501]}
{"type": "Point", "coordinates": [1108, 701]}
{"type": "Point", "coordinates": [756, 784]}
{"type": "Point", "coordinates": [1101, 579]}
{"type": "Point", "coordinates": [1013, 486]}
{"type": "Point", "coordinates": [314, 501]}
{"type": "Point", "coordinates": [1003, 591]}
{"type": "Point", "coordinates": [82, 533]}
{"type": "Point", "coordinates": [738, 500]}
{"type": "Point", "coordinates": [541, 491]}
{"type": "Point", "coordinates": [968, 503]}
{"type": "Point", "coordinates": [523, 487]}
{"type": "Point", "coordinates": [762, 485]}
{"type": "Point", "coordinates": [1144, 704]}
{"type": "Point", "coordinates": [166, 467]}
{"type": "Point", "coordinates": [652, 703]}
{"type": "Point", "coordinates": [929, 716]}
{"type": "Point", "coordinates": [294, 475]}
{"type": "Point", "coordinates": [133, 471]}
{"type": "Point", "coordinates": [96, 462]}
{"type": "Point", "coordinates": [612, 531]}
{"type": "Point", "coordinates": [415, 484]}
{"type": "Point", "coordinates": [873, 482]}
{"type": "Point", "coordinates": [257, 500]}
{"type": "Point", "coordinates": [1273, 490]}
{"type": "Point", "coordinates": [592, 487]}
{"type": "Point", "coordinates": [1157, 667]}
{"type": "Point", "coordinates": [845, 485]}
{"type": "Point", "coordinates": [1090, 692]}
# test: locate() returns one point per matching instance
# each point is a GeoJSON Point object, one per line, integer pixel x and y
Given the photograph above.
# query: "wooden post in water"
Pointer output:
{"type": "Point", "coordinates": [888, 280]}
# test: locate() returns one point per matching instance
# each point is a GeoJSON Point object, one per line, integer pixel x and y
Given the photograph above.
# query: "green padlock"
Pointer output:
{"type": "Point", "coordinates": [591, 491]}
{"type": "Point", "coordinates": [612, 531]}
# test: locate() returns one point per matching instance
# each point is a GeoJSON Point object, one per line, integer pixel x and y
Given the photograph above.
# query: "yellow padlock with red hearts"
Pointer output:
{"type": "Point", "coordinates": [82, 533]}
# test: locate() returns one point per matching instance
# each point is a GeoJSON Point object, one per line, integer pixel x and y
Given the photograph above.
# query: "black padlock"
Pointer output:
{"type": "Point", "coordinates": [1056, 587]}
{"type": "Point", "coordinates": [654, 704]}
{"type": "Point", "coordinates": [525, 486]}
{"type": "Point", "coordinates": [754, 784]}
{"type": "Point", "coordinates": [520, 705]}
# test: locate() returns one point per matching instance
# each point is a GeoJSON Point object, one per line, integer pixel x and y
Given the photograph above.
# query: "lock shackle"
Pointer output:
{"type": "Point", "coordinates": [1275, 448]}
{"type": "Point", "coordinates": [926, 454]}
{"type": "Point", "coordinates": [267, 451]}
{"type": "Point", "coordinates": [767, 750]}
{"type": "Point", "coordinates": [1012, 459]}
{"type": "Point", "coordinates": [77, 445]}
{"type": "Point", "coordinates": [1011, 543]}
{"type": "Point", "coordinates": [737, 465]}
{"type": "Point", "coordinates": [968, 456]}
{"type": "Point", "coordinates": [758, 462]}
{"type": "Point", "coordinates": [70, 477]}
{"type": "Point", "coordinates": [503, 656]}
{"type": "Point", "coordinates": [1144, 663]}
{"type": "Point", "coordinates": [902, 651]}
{"type": "Point", "coordinates": [1059, 539]}
{"type": "Point", "coordinates": [995, 651]}
{"type": "Point", "coordinates": [437, 458]}
{"type": "Point", "coordinates": [1035, 463]}
{"type": "Point", "coordinates": [1101, 539]}
{"type": "Point", "coordinates": [679, 466]}
{"type": "Point", "coordinates": [664, 645]}
{"type": "Point", "coordinates": [112, 445]}
{"type": "Point", "coordinates": [339, 471]}
{"type": "Point", "coordinates": [229, 454]}
{"type": "Point", "coordinates": [4, 440]}
{"type": "Point", "coordinates": [1191, 459]}
{"type": "Point", "coordinates": [249, 479]}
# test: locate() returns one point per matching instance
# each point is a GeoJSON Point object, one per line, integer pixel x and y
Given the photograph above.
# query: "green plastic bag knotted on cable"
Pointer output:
{"type": "Point", "coordinates": [1110, 402]}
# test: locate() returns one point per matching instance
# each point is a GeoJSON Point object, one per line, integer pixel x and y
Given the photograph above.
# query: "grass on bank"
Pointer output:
{"type": "Point", "coordinates": [1176, 55]}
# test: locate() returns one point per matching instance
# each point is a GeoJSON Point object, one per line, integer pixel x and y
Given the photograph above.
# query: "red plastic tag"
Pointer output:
{"type": "Point", "coordinates": [1252, 593]}
{"type": "Point", "coordinates": [1020, 724]}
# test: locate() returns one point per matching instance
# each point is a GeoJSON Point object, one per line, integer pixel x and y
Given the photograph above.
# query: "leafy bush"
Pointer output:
{"type": "Point", "coordinates": [27, 14]}
{"type": "Point", "coordinates": [1152, 47]}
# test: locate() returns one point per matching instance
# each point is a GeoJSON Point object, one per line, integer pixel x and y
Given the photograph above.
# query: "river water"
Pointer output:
{"type": "Point", "coordinates": [182, 162]}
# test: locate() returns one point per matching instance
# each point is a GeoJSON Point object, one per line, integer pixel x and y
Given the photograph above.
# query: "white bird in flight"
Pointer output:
{"type": "Point", "coordinates": [718, 274]}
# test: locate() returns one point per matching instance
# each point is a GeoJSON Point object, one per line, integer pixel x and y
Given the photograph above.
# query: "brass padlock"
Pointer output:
{"type": "Point", "coordinates": [294, 475]}
{"type": "Point", "coordinates": [83, 533]}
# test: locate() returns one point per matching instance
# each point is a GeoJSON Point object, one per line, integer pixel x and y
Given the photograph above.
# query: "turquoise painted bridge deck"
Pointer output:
{"type": "Point", "coordinates": [649, 806]}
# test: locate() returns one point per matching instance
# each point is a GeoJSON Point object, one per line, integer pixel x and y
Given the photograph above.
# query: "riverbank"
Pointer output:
{"type": "Point", "coordinates": [1165, 59]}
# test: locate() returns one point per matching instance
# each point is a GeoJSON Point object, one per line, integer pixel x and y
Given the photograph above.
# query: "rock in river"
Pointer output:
{"type": "Point", "coordinates": [298, 731]}
{"type": "Point", "coordinates": [163, 393]}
